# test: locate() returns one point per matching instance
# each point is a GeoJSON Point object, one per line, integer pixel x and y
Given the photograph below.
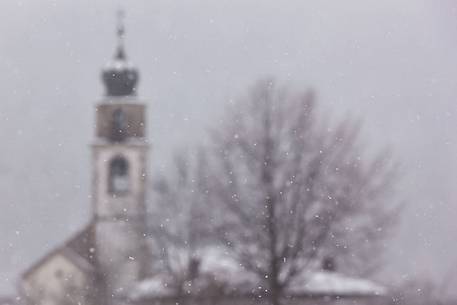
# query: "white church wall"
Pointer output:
{"type": "Point", "coordinates": [119, 245]}
{"type": "Point", "coordinates": [57, 281]}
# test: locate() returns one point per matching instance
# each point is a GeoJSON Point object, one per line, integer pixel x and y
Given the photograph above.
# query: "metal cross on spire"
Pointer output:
{"type": "Point", "coordinates": [120, 31]}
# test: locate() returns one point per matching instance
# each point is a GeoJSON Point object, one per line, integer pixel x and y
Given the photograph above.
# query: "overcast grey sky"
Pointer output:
{"type": "Point", "coordinates": [391, 63]}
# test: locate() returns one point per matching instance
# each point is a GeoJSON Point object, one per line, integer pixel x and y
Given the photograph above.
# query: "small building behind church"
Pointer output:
{"type": "Point", "coordinates": [108, 261]}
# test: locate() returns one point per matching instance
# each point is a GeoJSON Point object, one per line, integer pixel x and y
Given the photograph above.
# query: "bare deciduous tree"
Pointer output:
{"type": "Point", "coordinates": [289, 190]}
{"type": "Point", "coordinates": [178, 220]}
{"type": "Point", "coordinates": [282, 190]}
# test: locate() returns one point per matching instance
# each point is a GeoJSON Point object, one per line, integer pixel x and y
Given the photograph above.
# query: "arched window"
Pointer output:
{"type": "Point", "coordinates": [118, 183]}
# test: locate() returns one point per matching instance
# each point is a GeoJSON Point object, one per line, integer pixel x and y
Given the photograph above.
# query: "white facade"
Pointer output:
{"type": "Point", "coordinates": [61, 278]}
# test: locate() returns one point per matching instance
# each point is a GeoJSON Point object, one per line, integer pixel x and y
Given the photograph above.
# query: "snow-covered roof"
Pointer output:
{"type": "Point", "coordinates": [218, 269]}
{"type": "Point", "coordinates": [119, 65]}
{"type": "Point", "coordinates": [333, 283]}
{"type": "Point", "coordinates": [157, 286]}
{"type": "Point", "coordinates": [224, 269]}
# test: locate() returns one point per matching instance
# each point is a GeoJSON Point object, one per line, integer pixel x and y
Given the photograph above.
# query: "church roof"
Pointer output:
{"type": "Point", "coordinates": [79, 249]}
{"type": "Point", "coordinates": [83, 244]}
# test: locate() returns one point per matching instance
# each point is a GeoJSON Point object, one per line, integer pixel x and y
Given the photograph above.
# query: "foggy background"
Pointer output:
{"type": "Point", "coordinates": [391, 63]}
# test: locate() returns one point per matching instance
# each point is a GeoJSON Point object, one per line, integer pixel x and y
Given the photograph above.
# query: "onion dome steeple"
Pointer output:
{"type": "Point", "coordinates": [120, 77]}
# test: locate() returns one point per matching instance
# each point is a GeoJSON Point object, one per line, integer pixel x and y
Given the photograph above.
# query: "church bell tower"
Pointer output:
{"type": "Point", "coordinates": [119, 177]}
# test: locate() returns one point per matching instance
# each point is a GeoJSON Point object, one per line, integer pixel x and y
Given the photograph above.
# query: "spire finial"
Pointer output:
{"type": "Point", "coordinates": [119, 76]}
{"type": "Point", "coordinates": [120, 31]}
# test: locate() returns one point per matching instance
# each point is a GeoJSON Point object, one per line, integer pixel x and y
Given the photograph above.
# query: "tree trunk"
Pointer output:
{"type": "Point", "coordinates": [271, 201]}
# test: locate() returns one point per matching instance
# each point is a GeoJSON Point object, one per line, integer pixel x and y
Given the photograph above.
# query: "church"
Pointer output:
{"type": "Point", "coordinates": [108, 261]}
{"type": "Point", "coordinates": [110, 253]}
